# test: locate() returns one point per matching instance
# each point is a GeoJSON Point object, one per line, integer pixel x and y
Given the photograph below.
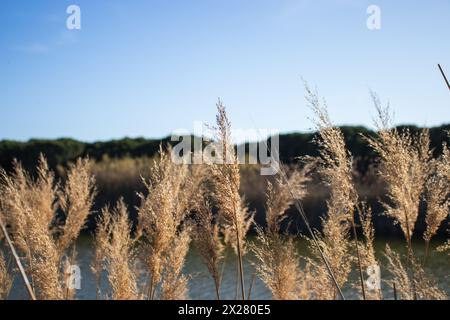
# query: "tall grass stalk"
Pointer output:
{"type": "Point", "coordinates": [335, 166]}
{"type": "Point", "coordinates": [5, 277]}
{"type": "Point", "coordinates": [225, 179]}
{"type": "Point", "coordinates": [404, 162]}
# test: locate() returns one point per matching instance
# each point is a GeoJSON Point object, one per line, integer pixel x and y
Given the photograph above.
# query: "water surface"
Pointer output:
{"type": "Point", "coordinates": [201, 285]}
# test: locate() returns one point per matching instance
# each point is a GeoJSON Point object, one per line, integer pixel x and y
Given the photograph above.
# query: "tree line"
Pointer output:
{"type": "Point", "coordinates": [292, 145]}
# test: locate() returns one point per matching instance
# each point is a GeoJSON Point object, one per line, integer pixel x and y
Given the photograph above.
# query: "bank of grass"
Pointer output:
{"type": "Point", "coordinates": [147, 211]}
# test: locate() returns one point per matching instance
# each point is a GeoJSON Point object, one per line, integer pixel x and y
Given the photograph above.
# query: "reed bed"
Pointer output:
{"type": "Point", "coordinates": [201, 205]}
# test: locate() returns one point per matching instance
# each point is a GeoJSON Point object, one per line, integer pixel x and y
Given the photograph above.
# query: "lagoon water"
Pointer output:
{"type": "Point", "coordinates": [202, 287]}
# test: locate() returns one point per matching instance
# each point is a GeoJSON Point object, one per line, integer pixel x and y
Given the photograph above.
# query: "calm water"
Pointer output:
{"type": "Point", "coordinates": [201, 285]}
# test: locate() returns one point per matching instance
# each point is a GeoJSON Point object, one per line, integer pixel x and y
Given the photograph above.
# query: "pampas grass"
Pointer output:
{"type": "Point", "coordinates": [101, 243]}
{"type": "Point", "coordinates": [156, 254]}
{"type": "Point", "coordinates": [444, 248]}
{"type": "Point", "coordinates": [437, 195]}
{"type": "Point", "coordinates": [278, 263]}
{"type": "Point", "coordinates": [368, 257]}
{"type": "Point", "coordinates": [174, 284]}
{"type": "Point", "coordinates": [5, 277]}
{"type": "Point", "coordinates": [117, 253]}
{"type": "Point", "coordinates": [403, 167]}
{"type": "Point", "coordinates": [225, 178]}
{"type": "Point", "coordinates": [209, 242]}
{"type": "Point", "coordinates": [162, 215]}
{"type": "Point", "coordinates": [418, 286]}
{"type": "Point", "coordinates": [75, 200]}
{"type": "Point", "coordinates": [335, 167]}
{"type": "Point", "coordinates": [403, 284]}
{"type": "Point", "coordinates": [31, 205]}
{"type": "Point", "coordinates": [411, 175]}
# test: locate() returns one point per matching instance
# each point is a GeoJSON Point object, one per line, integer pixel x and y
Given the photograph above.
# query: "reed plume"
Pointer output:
{"type": "Point", "coordinates": [31, 205]}
{"type": "Point", "coordinates": [368, 258]}
{"type": "Point", "coordinates": [245, 220]}
{"type": "Point", "coordinates": [281, 196]}
{"type": "Point", "coordinates": [426, 287]}
{"type": "Point", "coordinates": [419, 286]}
{"type": "Point", "coordinates": [162, 214]}
{"type": "Point", "coordinates": [445, 247]}
{"type": "Point", "coordinates": [335, 167]}
{"type": "Point", "coordinates": [209, 242]}
{"type": "Point", "coordinates": [118, 256]}
{"type": "Point", "coordinates": [101, 243]}
{"type": "Point", "coordinates": [75, 200]}
{"type": "Point", "coordinates": [5, 278]}
{"type": "Point", "coordinates": [278, 266]}
{"type": "Point", "coordinates": [225, 178]}
{"type": "Point", "coordinates": [174, 284]}
{"type": "Point", "coordinates": [277, 258]}
{"type": "Point", "coordinates": [403, 167]}
{"type": "Point", "coordinates": [437, 196]}
{"type": "Point", "coordinates": [403, 283]}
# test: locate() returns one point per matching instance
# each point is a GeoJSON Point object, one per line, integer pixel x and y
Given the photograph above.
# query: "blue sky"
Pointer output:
{"type": "Point", "coordinates": [146, 68]}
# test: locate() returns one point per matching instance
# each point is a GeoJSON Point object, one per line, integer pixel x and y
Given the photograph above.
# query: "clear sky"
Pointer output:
{"type": "Point", "coordinates": [146, 68]}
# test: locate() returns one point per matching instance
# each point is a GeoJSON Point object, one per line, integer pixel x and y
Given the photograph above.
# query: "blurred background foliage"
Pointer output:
{"type": "Point", "coordinates": [120, 165]}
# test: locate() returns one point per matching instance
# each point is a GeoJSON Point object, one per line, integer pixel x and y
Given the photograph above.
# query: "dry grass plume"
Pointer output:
{"type": "Point", "coordinates": [32, 206]}
{"type": "Point", "coordinates": [225, 178]}
{"type": "Point", "coordinates": [278, 263]}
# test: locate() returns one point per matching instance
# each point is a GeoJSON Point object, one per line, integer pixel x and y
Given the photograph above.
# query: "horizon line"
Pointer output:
{"type": "Point", "coordinates": [167, 136]}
